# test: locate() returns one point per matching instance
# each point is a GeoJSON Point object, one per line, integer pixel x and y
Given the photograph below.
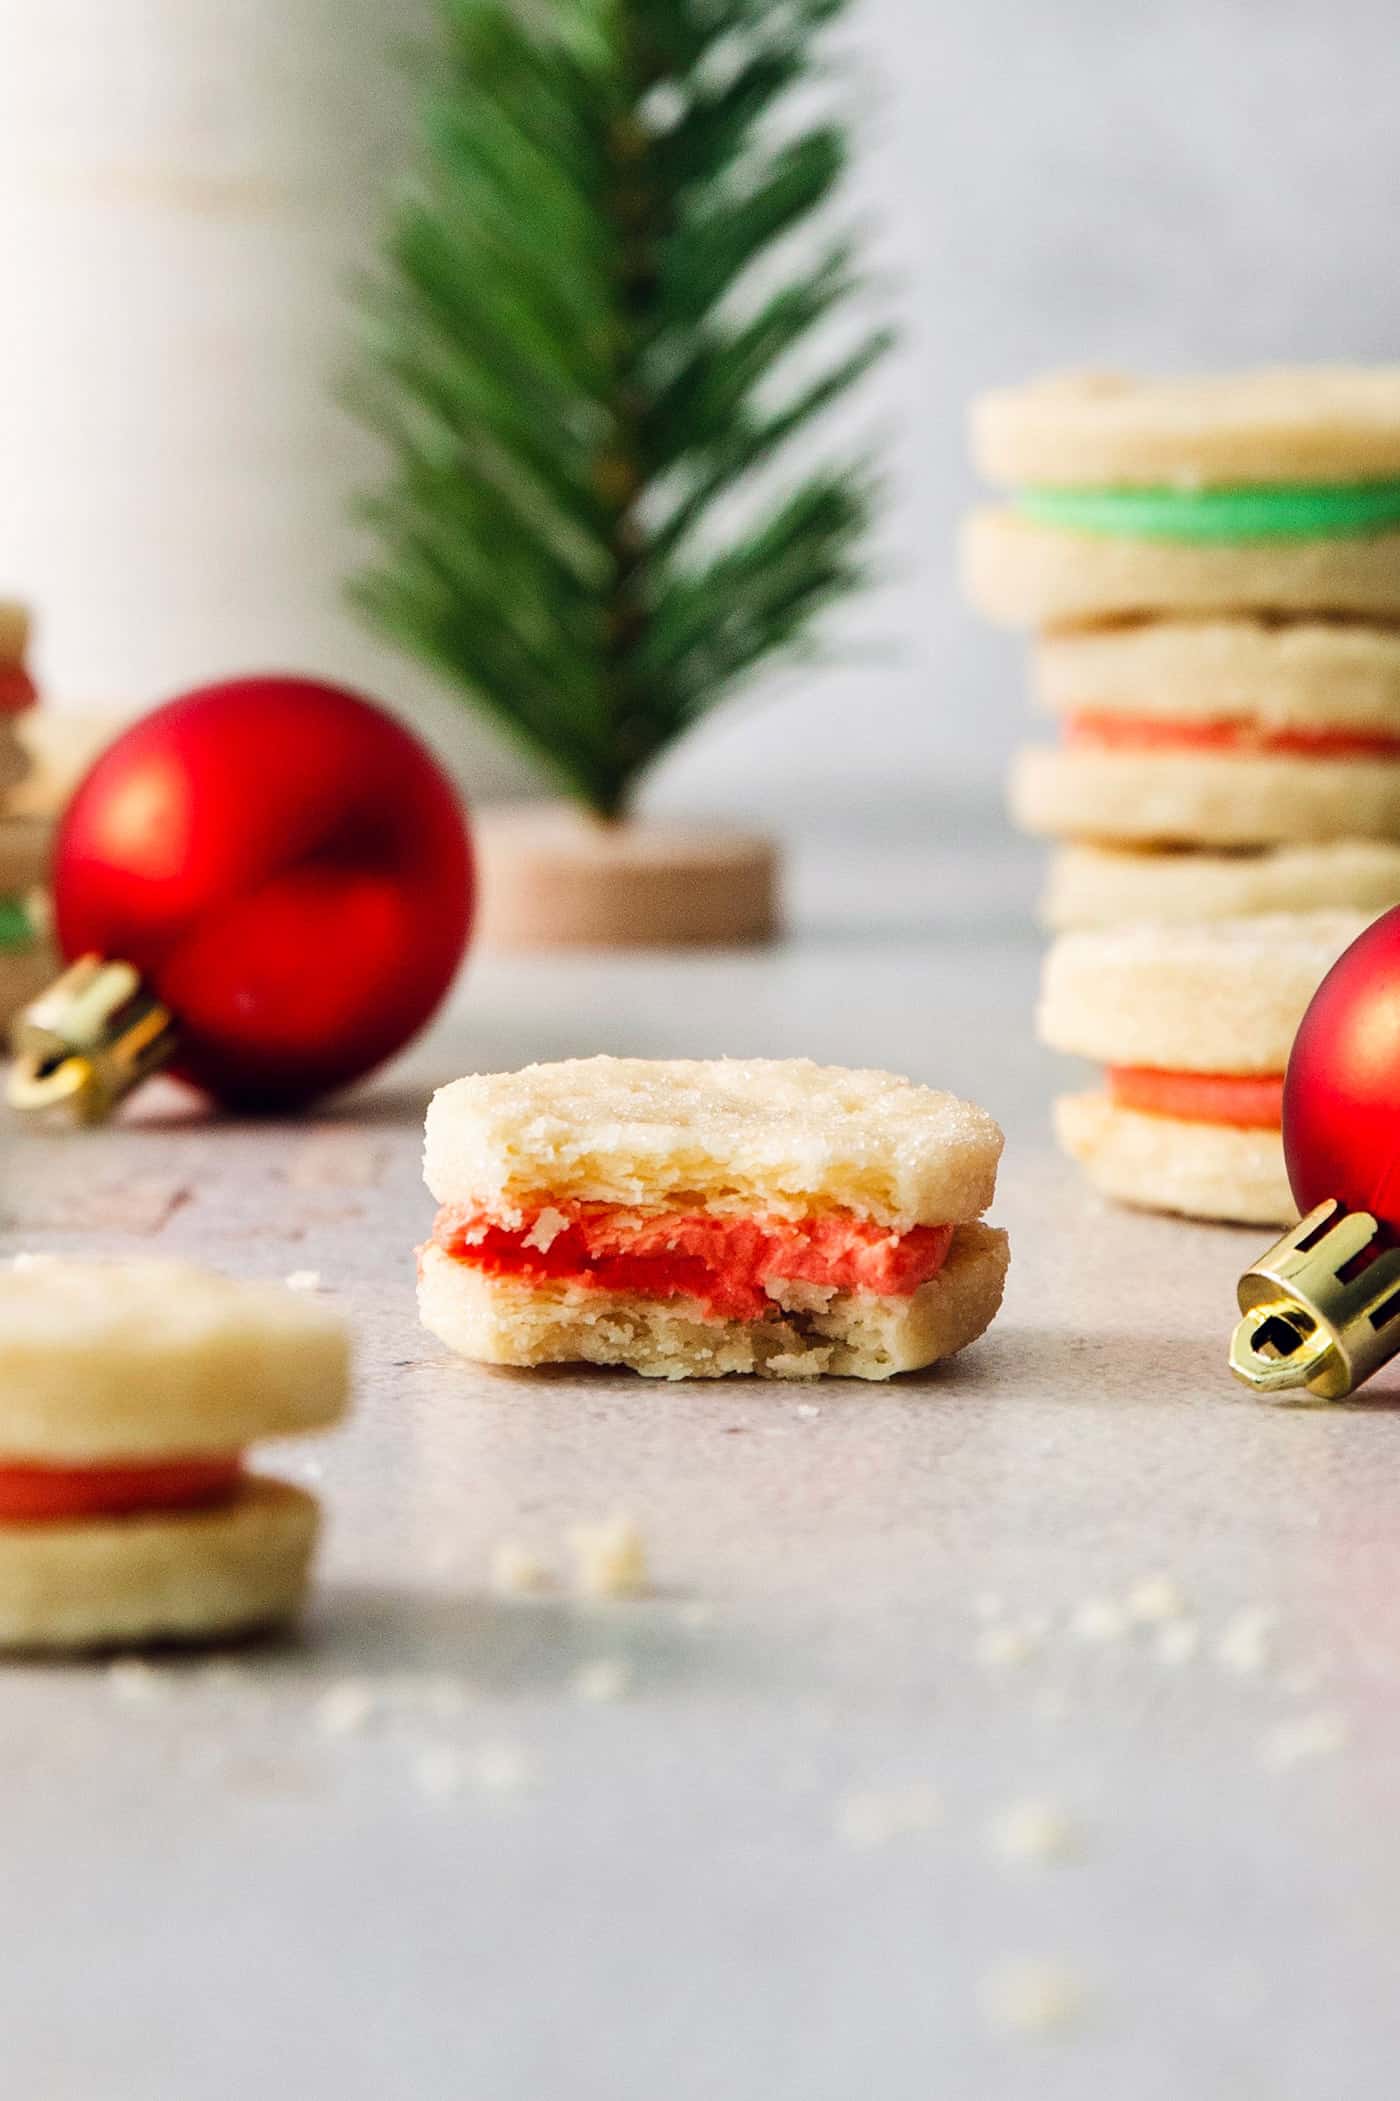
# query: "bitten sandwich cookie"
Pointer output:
{"type": "Point", "coordinates": [1228, 733]}
{"type": "Point", "coordinates": [1106, 886]}
{"type": "Point", "coordinates": [1194, 1025]}
{"type": "Point", "coordinates": [1270, 491]}
{"type": "Point", "coordinates": [128, 1392]}
{"type": "Point", "coordinates": [692, 1218]}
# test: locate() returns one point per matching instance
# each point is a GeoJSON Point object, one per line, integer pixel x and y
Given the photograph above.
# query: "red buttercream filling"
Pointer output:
{"type": "Point", "coordinates": [1247, 1101]}
{"type": "Point", "coordinates": [1113, 732]}
{"type": "Point", "coordinates": [35, 1492]}
{"type": "Point", "coordinates": [723, 1262]}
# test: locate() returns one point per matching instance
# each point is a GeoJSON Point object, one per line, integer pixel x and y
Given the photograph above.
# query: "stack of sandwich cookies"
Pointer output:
{"type": "Point", "coordinates": [1214, 569]}
{"type": "Point", "coordinates": [128, 1393]}
{"type": "Point", "coordinates": [1194, 1025]}
{"type": "Point", "coordinates": [693, 1218]}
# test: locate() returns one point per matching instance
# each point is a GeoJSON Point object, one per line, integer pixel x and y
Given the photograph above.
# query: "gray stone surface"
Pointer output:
{"type": "Point", "coordinates": [303, 1870]}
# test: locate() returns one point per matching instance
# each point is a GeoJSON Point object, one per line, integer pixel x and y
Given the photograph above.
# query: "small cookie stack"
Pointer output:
{"type": "Point", "coordinates": [26, 962]}
{"type": "Point", "coordinates": [1212, 566]}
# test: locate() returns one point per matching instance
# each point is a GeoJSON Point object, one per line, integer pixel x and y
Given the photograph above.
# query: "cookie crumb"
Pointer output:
{"type": "Point", "coordinates": [500, 1769]}
{"type": "Point", "coordinates": [806, 1411]}
{"type": "Point", "coordinates": [1032, 1834]}
{"type": "Point", "coordinates": [517, 1572]}
{"type": "Point", "coordinates": [439, 1772]}
{"type": "Point", "coordinates": [345, 1709]}
{"type": "Point", "coordinates": [303, 1280]}
{"type": "Point", "coordinates": [1156, 1600]}
{"type": "Point", "coordinates": [1245, 1644]}
{"type": "Point", "coordinates": [1177, 1642]}
{"type": "Point", "coordinates": [1098, 1619]}
{"type": "Point", "coordinates": [136, 1682]}
{"type": "Point", "coordinates": [1032, 1995]}
{"type": "Point", "coordinates": [610, 1559]}
{"type": "Point", "coordinates": [869, 1818]}
{"type": "Point", "coordinates": [607, 1679]}
{"type": "Point", "coordinates": [1305, 1737]}
{"type": "Point", "coordinates": [1000, 1648]}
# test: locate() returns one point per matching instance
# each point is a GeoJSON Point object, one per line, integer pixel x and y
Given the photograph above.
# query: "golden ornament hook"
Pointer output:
{"type": "Point", "coordinates": [1321, 1308]}
{"type": "Point", "coordinates": [88, 1040]}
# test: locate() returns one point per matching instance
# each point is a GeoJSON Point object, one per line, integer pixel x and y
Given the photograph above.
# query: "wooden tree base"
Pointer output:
{"type": "Point", "coordinates": [552, 877]}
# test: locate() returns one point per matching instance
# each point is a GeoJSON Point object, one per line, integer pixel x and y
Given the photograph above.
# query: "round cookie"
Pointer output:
{"type": "Point", "coordinates": [1185, 798]}
{"type": "Point", "coordinates": [1325, 423]}
{"type": "Point", "coordinates": [1220, 998]}
{"type": "Point", "coordinates": [1312, 675]}
{"type": "Point", "coordinates": [1030, 575]}
{"type": "Point", "coordinates": [105, 1362]}
{"type": "Point", "coordinates": [1094, 886]}
{"type": "Point", "coordinates": [184, 1576]}
{"type": "Point", "coordinates": [1164, 1164]}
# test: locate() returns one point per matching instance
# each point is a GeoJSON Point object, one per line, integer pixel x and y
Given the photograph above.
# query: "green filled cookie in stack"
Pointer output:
{"type": "Point", "coordinates": [26, 962]}
{"type": "Point", "coordinates": [1213, 568]}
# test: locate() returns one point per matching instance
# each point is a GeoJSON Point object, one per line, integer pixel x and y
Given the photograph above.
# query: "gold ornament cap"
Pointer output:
{"type": "Point", "coordinates": [96, 1033]}
{"type": "Point", "coordinates": [1321, 1308]}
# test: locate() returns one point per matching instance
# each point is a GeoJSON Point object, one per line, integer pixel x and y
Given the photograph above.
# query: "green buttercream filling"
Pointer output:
{"type": "Point", "coordinates": [1286, 511]}
{"type": "Point", "coordinates": [16, 927]}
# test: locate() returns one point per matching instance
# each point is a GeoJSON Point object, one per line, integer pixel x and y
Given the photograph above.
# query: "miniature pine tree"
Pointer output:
{"type": "Point", "coordinates": [583, 350]}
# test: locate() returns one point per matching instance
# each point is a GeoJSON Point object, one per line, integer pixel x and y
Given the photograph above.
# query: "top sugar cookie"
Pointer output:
{"type": "Point", "coordinates": [114, 1361]}
{"type": "Point", "coordinates": [1324, 424]}
{"type": "Point", "coordinates": [778, 1136]}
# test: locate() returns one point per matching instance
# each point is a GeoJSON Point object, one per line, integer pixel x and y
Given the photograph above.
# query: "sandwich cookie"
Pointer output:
{"type": "Point", "coordinates": [1216, 733]}
{"type": "Point", "coordinates": [1092, 886]}
{"type": "Point", "coordinates": [128, 1392]}
{"type": "Point", "coordinates": [1194, 1025]}
{"type": "Point", "coordinates": [692, 1218]}
{"type": "Point", "coordinates": [1269, 491]}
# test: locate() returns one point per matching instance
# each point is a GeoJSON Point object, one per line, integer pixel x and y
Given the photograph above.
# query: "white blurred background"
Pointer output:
{"type": "Point", "coordinates": [187, 186]}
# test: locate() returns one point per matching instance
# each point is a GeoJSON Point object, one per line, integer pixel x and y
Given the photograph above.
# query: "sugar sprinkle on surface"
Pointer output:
{"type": "Point", "coordinates": [1032, 1995]}
{"type": "Point", "coordinates": [610, 1559]}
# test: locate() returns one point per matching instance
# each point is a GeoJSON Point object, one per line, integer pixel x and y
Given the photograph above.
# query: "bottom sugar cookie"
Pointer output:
{"type": "Point", "coordinates": [812, 1331]}
{"type": "Point", "coordinates": [128, 1393]}
{"type": "Point", "coordinates": [1165, 1163]}
{"type": "Point", "coordinates": [181, 1575]}
{"type": "Point", "coordinates": [1097, 886]}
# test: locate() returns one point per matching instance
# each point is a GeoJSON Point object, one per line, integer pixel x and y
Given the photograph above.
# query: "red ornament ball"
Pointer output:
{"type": "Point", "coordinates": [1341, 1096]}
{"type": "Point", "coordinates": [288, 869]}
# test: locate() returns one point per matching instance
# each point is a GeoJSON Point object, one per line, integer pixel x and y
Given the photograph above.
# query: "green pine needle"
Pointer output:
{"type": "Point", "coordinates": [584, 346]}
